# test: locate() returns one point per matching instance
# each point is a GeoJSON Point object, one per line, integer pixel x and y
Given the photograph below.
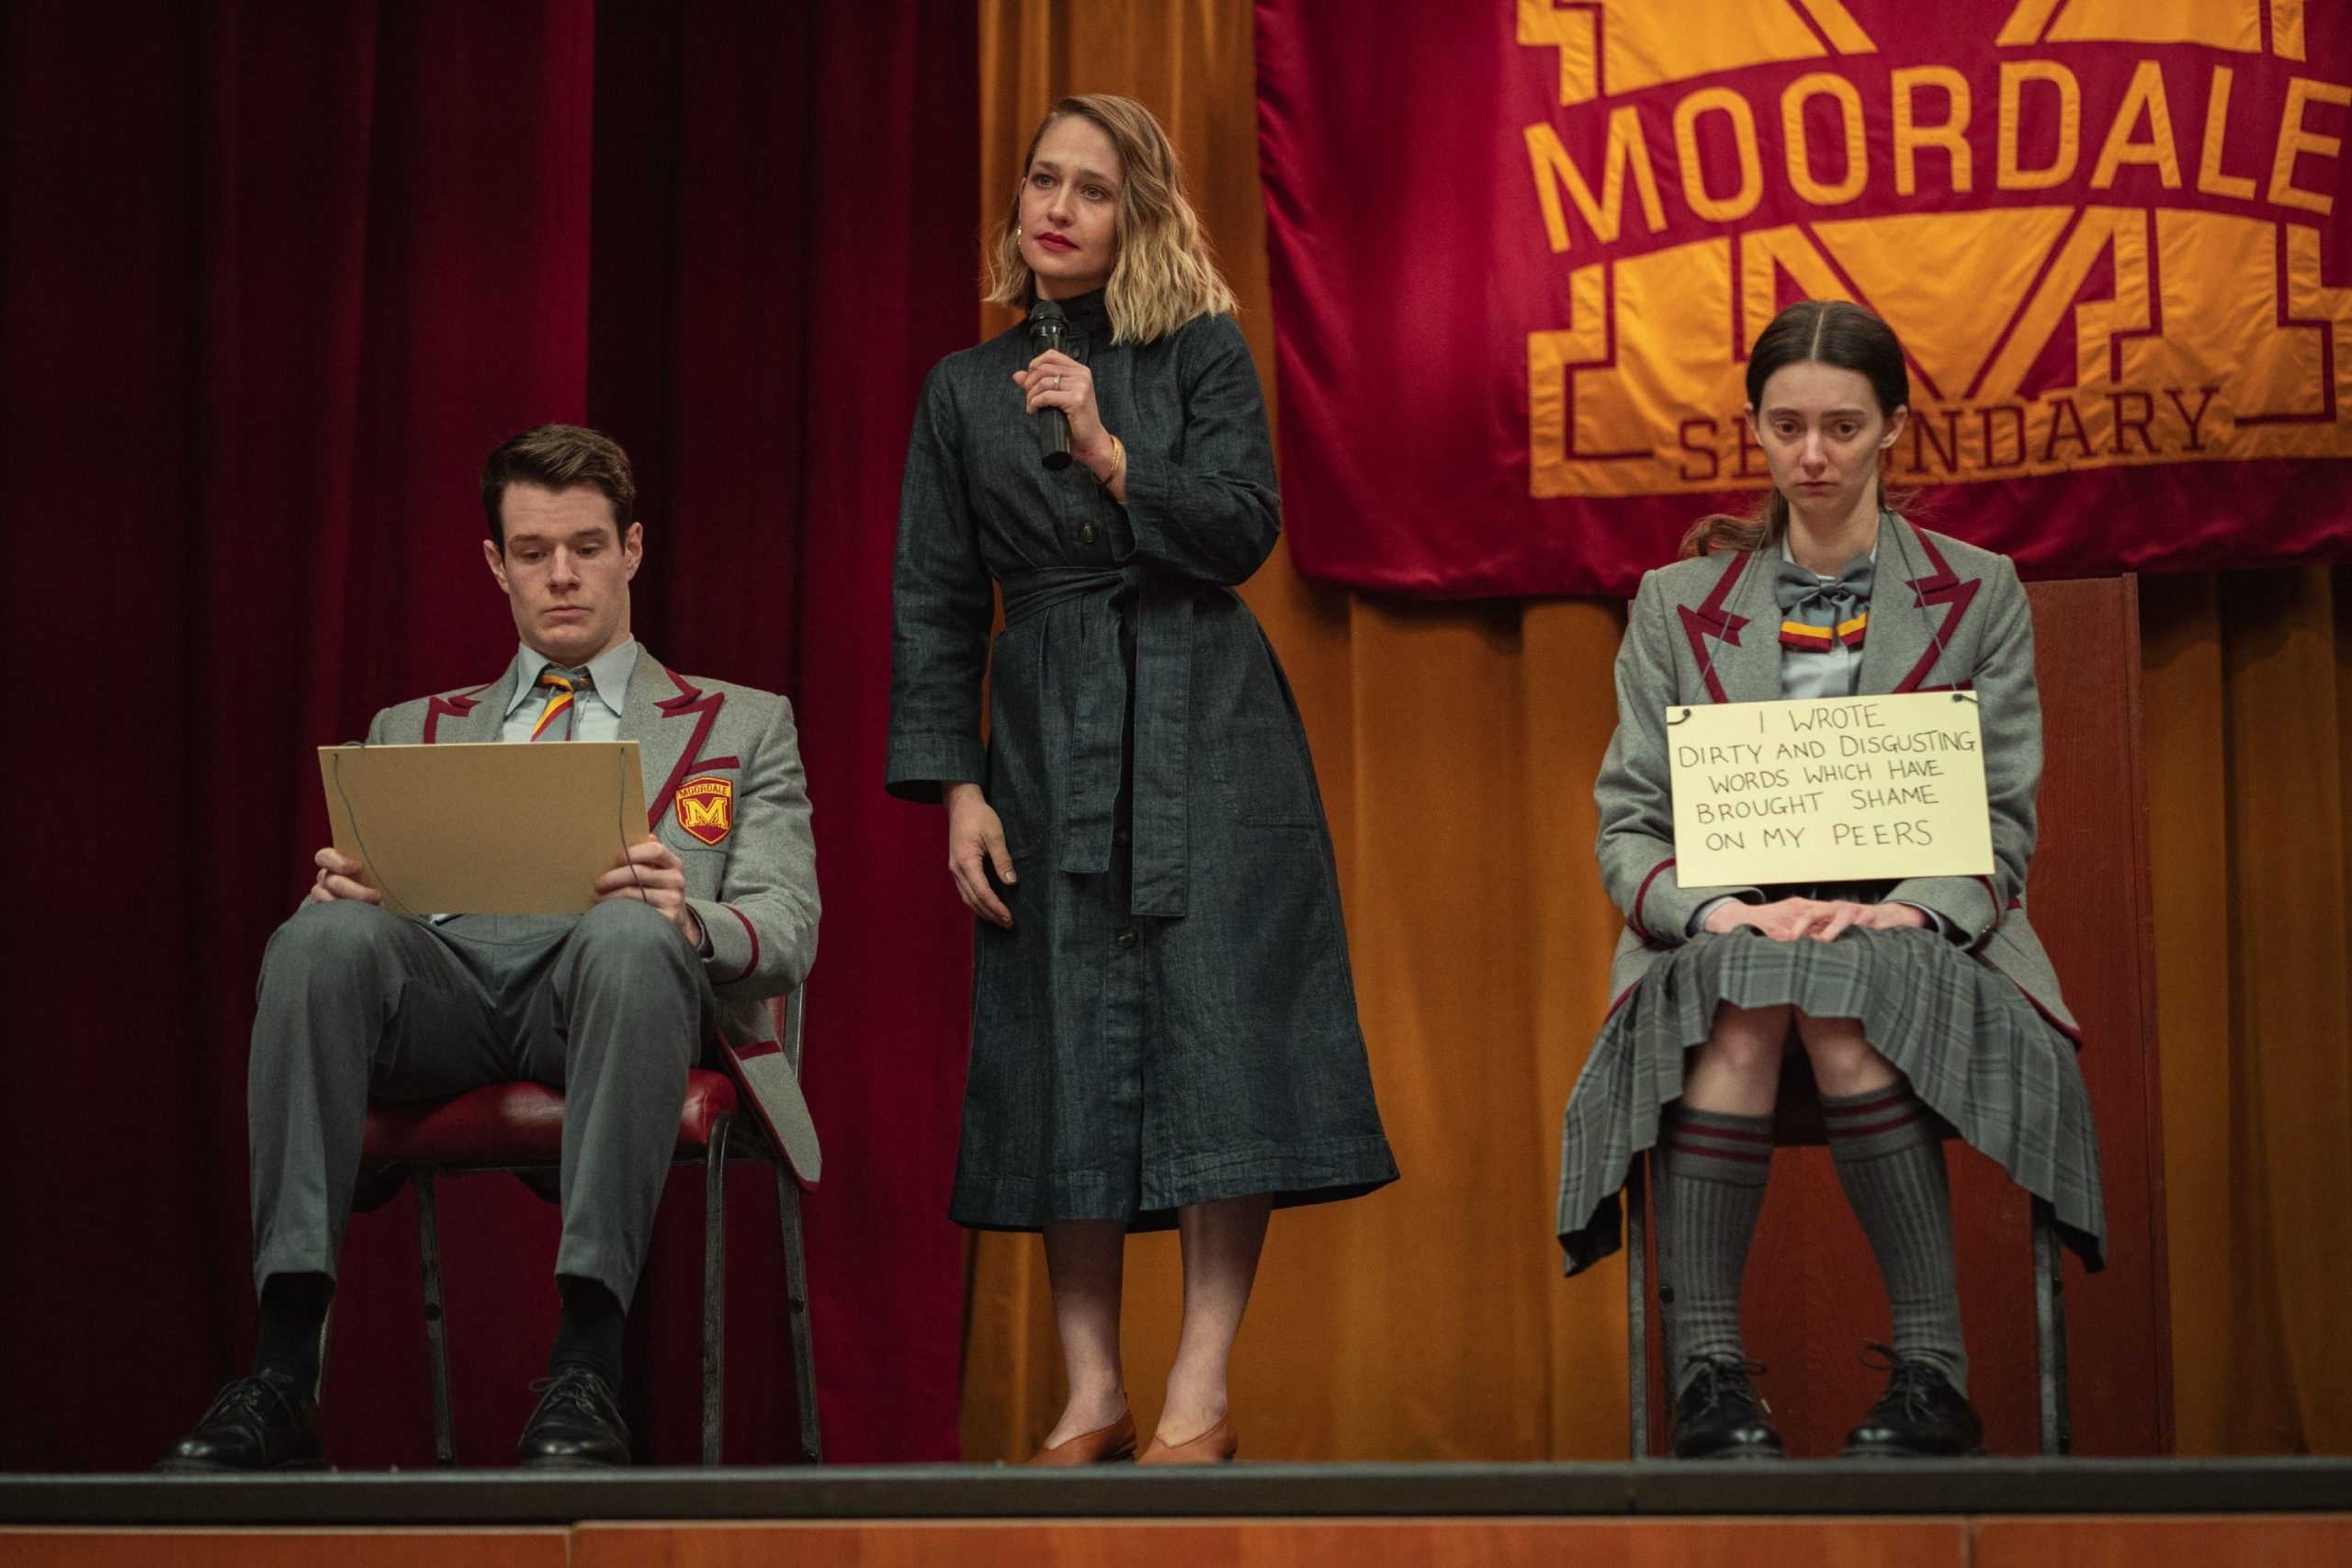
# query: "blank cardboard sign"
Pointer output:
{"type": "Point", "coordinates": [485, 829]}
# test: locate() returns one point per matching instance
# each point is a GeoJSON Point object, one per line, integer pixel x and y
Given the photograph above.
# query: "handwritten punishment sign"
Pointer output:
{"type": "Point", "coordinates": [1840, 789]}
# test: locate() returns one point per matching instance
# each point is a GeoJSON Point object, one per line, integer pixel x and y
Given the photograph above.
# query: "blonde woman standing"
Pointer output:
{"type": "Point", "coordinates": [1163, 1022]}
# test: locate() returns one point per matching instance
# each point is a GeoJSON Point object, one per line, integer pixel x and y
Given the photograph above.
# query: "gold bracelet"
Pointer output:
{"type": "Point", "coordinates": [1118, 461]}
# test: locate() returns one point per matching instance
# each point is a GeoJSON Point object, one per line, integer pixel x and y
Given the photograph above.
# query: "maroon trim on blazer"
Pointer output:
{"type": "Point", "coordinates": [2068, 1030]}
{"type": "Point", "coordinates": [1619, 1002]}
{"type": "Point", "coordinates": [455, 704]}
{"type": "Point", "coordinates": [2016, 903]}
{"type": "Point", "coordinates": [1940, 586]}
{"type": "Point", "coordinates": [750, 967]}
{"type": "Point", "coordinates": [736, 1056]}
{"type": "Point", "coordinates": [1710, 616]}
{"type": "Point", "coordinates": [1634, 920]}
{"type": "Point", "coordinates": [689, 700]}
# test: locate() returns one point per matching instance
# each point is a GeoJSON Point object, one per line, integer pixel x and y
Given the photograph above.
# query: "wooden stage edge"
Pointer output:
{"type": "Point", "coordinates": [2272, 1540]}
{"type": "Point", "coordinates": [902, 1493]}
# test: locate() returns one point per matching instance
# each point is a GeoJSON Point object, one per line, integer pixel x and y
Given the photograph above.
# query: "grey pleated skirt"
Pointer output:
{"type": "Point", "coordinates": [1976, 1052]}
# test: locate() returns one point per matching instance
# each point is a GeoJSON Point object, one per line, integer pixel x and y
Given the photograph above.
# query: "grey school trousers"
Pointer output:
{"type": "Point", "coordinates": [612, 1007]}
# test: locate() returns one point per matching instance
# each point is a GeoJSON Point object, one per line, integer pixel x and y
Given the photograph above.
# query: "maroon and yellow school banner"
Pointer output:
{"type": "Point", "coordinates": [1520, 249]}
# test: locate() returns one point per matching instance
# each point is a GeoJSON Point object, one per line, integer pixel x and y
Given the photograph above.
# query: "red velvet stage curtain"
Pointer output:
{"type": "Point", "coordinates": [274, 277]}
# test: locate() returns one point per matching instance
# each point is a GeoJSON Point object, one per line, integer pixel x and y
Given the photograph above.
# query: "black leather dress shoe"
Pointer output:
{"type": "Point", "coordinates": [266, 1421]}
{"type": "Point", "coordinates": [1719, 1416]}
{"type": "Point", "coordinates": [1920, 1416]}
{"type": "Point", "coordinates": [576, 1427]}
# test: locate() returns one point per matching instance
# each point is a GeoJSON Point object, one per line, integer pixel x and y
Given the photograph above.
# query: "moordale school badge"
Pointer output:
{"type": "Point", "coordinates": [707, 808]}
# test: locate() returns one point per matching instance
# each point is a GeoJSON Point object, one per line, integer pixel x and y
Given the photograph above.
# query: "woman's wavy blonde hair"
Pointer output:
{"type": "Point", "coordinates": [1164, 275]}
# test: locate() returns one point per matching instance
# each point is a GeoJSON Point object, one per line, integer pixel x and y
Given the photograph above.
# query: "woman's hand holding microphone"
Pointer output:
{"type": "Point", "coordinates": [1055, 380]}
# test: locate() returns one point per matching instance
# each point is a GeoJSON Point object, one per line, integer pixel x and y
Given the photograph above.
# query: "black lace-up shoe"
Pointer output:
{"type": "Point", "coordinates": [576, 1427]}
{"type": "Point", "coordinates": [1719, 1416]}
{"type": "Point", "coordinates": [266, 1421]}
{"type": "Point", "coordinates": [1920, 1416]}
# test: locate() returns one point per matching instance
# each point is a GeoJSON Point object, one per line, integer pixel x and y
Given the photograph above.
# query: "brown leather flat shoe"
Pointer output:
{"type": "Point", "coordinates": [1104, 1445]}
{"type": "Point", "coordinates": [1215, 1446]}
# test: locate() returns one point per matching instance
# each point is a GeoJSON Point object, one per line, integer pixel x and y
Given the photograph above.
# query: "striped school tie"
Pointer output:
{"type": "Point", "coordinates": [564, 688]}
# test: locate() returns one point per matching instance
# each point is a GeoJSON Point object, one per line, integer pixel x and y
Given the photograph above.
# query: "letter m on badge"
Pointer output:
{"type": "Point", "coordinates": [707, 808]}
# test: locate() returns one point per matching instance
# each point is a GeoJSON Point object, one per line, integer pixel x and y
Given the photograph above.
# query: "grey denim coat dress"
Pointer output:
{"type": "Point", "coordinates": [1170, 1020]}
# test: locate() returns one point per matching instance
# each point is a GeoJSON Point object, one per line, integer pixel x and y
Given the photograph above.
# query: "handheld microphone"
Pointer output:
{"type": "Point", "coordinates": [1045, 326]}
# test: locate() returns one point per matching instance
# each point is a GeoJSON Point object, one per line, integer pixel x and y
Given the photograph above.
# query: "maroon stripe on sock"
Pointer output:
{"type": "Point", "coordinates": [1875, 1128]}
{"type": "Point", "coordinates": [1727, 1145]}
{"type": "Point", "coordinates": [1742, 1134]}
{"type": "Point", "coordinates": [1718, 1151]}
{"type": "Point", "coordinates": [1739, 1156]}
{"type": "Point", "coordinates": [1870, 1107]}
{"type": "Point", "coordinates": [1709, 1151]}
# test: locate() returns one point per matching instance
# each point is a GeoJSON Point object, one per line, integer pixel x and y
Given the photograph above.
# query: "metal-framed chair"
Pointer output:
{"type": "Point", "coordinates": [518, 1128]}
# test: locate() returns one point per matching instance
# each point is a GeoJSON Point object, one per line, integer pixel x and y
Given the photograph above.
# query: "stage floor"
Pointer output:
{"type": "Point", "coordinates": [1975, 1488]}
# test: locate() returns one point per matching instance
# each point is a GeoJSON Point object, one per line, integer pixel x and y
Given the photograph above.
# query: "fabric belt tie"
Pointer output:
{"type": "Point", "coordinates": [1163, 695]}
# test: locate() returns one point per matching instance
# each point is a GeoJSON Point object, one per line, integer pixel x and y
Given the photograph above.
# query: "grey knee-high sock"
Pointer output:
{"type": "Point", "coordinates": [1711, 1171]}
{"type": "Point", "coordinates": [1890, 1158]}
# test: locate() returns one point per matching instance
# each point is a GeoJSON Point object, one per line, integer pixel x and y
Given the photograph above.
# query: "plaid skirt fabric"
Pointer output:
{"type": "Point", "coordinates": [1973, 1048]}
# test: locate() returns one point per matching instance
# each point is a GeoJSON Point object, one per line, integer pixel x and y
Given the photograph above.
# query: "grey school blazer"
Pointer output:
{"type": "Point", "coordinates": [1706, 630]}
{"type": "Point", "coordinates": [751, 864]}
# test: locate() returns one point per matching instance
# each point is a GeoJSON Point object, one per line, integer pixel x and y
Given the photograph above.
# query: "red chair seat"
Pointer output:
{"type": "Point", "coordinates": [506, 1124]}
